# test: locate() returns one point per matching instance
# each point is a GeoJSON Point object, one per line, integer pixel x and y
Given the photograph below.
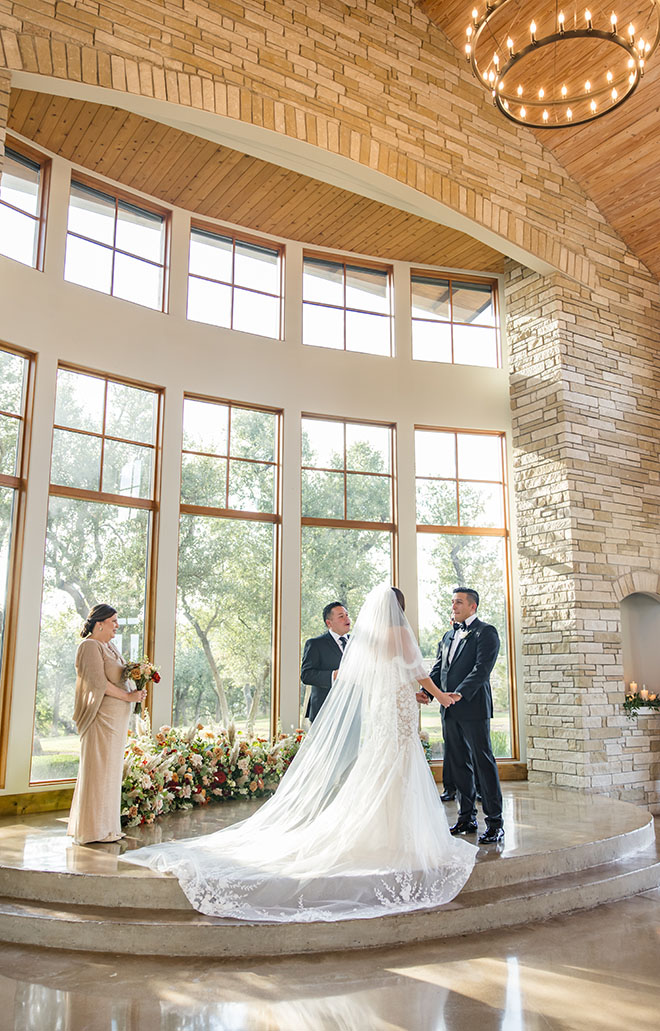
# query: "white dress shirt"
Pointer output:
{"type": "Point", "coordinates": [457, 640]}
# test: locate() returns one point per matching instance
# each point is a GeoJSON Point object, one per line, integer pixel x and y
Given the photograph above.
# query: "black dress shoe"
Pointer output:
{"type": "Point", "coordinates": [464, 827]}
{"type": "Point", "coordinates": [491, 835]}
{"type": "Point", "coordinates": [448, 796]}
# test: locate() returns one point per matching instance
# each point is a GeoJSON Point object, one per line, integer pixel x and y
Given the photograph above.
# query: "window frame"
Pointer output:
{"type": "Point", "coordinates": [357, 262]}
{"type": "Point", "coordinates": [19, 484]}
{"type": "Point", "coordinates": [451, 278]}
{"type": "Point", "coordinates": [504, 533]}
{"type": "Point", "coordinates": [119, 195]}
{"type": "Point", "coordinates": [45, 164]}
{"type": "Point", "coordinates": [152, 504]}
{"type": "Point", "coordinates": [200, 225]}
{"type": "Point", "coordinates": [275, 518]}
{"type": "Point", "coordinates": [355, 524]}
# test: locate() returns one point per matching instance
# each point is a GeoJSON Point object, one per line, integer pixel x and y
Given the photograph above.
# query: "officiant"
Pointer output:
{"type": "Point", "coordinates": [322, 656]}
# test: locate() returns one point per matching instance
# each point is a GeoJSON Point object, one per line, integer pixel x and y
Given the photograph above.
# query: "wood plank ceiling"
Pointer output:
{"type": "Point", "coordinates": [615, 159]}
{"type": "Point", "coordinates": [216, 182]}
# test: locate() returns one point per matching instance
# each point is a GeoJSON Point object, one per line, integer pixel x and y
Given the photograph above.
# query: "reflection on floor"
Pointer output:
{"type": "Point", "coordinates": [593, 971]}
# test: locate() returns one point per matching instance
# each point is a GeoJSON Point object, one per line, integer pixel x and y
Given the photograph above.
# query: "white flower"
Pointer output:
{"type": "Point", "coordinates": [145, 781]}
{"type": "Point", "coordinates": [196, 760]}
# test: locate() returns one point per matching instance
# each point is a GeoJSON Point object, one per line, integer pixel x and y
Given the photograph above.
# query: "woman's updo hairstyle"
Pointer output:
{"type": "Point", "coordinates": [97, 615]}
{"type": "Point", "coordinates": [400, 598]}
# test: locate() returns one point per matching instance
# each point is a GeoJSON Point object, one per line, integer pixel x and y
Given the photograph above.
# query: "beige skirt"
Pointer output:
{"type": "Point", "coordinates": [96, 806]}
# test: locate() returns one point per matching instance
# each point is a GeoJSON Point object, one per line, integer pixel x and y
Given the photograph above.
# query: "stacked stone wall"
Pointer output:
{"type": "Point", "coordinates": [585, 390]}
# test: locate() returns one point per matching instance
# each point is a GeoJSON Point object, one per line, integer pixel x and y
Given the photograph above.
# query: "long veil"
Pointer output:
{"type": "Point", "coordinates": [356, 827]}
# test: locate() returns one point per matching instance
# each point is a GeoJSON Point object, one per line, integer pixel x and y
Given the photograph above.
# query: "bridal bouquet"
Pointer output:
{"type": "Point", "coordinates": [141, 674]}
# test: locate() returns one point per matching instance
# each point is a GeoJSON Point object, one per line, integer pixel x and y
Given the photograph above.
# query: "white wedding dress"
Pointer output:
{"type": "Point", "coordinates": [356, 827]}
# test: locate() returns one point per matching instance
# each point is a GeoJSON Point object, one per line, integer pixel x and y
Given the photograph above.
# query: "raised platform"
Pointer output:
{"type": "Point", "coordinates": [563, 851]}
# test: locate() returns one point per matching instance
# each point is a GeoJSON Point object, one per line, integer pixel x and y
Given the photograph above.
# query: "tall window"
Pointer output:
{"type": "Point", "coordinates": [348, 522]}
{"type": "Point", "coordinates": [22, 203]}
{"type": "Point", "coordinates": [462, 541]}
{"type": "Point", "coordinates": [347, 306]}
{"type": "Point", "coordinates": [98, 545]}
{"type": "Point", "coordinates": [454, 320]}
{"type": "Point", "coordinates": [116, 246]}
{"type": "Point", "coordinates": [14, 373]}
{"type": "Point", "coordinates": [235, 283]}
{"type": "Point", "coordinates": [228, 570]}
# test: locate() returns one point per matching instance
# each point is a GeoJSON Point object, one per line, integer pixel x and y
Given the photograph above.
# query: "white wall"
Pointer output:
{"type": "Point", "coordinates": [62, 321]}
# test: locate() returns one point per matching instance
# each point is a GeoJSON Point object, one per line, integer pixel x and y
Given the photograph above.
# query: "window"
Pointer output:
{"type": "Point", "coordinates": [454, 320]}
{"type": "Point", "coordinates": [235, 283]}
{"type": "Point", "coordinates": [347, 306]}
{"type": "Point", "coordinates": [22, 204]}
{"type": "Point", "coordinates": [463, 541]}
{"type": "Point", "coordinates": [99, 542]}
{"type": "Point", "coordinates": [348, 525]}
{"type": "Point", "coordinates": [115, 246]}
{"type": "Point", "coordinates": [15, 370]}
{"type": "Point", "coordinates": [228, 566]}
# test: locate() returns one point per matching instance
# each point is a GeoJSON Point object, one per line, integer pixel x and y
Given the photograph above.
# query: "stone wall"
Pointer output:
{"type": "Point", "coordinates": [585, 387]}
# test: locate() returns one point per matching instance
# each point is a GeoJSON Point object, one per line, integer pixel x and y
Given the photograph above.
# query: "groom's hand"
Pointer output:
{"type": "Point", "coordinates": [422, 698]}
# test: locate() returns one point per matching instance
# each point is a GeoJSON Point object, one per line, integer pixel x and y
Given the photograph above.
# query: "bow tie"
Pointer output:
{"type": "Point", "coordinates": [460, 626]}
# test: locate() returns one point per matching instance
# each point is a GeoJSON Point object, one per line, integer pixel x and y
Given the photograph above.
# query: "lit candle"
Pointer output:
{"type": "Point", "coordinates": [532, 31]}
{"type": "Point", "coordinates": [560, 19]}
{"type": "Point", "coordinates": [587, 18]}
{"type": "Point", "coordinates": [613, 21]}
{"type": "Point", "coordinates": [643, 694]}
{"type": "Point", "coordinates": [633, 687]}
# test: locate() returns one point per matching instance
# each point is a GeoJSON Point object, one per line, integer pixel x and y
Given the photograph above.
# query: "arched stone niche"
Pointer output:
{"type": "Point", "coordinates": [639, 600]}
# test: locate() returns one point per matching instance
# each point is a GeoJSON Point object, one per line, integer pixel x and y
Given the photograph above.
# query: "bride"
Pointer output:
{"type": "Point", "coordinates": [356, 827]}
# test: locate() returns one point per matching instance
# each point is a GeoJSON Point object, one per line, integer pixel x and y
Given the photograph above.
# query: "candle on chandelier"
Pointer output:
{"type": "Point", "coordinates": [532, 31]}
{"type": "Point", "coordinates": [587, 18]}
{"type": "Point", "coordinates": [560, 19]}
{"type": "Point", "coordinates": [613, 21]}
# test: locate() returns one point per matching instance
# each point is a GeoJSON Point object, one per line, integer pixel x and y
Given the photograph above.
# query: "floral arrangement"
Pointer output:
{"type": "Point", "coordinates": [141, 674]}
{"type": "Point", "coordinates": [178, 768]}
{"type": "Point", "coordinates": [634, 702]}
{"type": "Point", "coordinates": [182, 767]}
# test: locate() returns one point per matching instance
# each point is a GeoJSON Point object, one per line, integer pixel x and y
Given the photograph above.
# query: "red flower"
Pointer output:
{"type": "Point", "coordinates": [220, 777]}
{"type": "Point", "coordinates": [156, 678]}
{"type": "Point", "coordinates": [258, 768]}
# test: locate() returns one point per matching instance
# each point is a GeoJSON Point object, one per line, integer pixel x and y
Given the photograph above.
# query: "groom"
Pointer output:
{"type": "Point", "coordinates": [467, 655]}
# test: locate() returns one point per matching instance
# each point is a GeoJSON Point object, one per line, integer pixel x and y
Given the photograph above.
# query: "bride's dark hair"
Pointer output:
{"type": "Point", "coordinates": [97, 615]}
{"type": "Point", "coordinates": [400, 598]}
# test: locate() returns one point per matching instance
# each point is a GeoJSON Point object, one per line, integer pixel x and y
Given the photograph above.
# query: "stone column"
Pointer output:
{"type": "Point", "coordinates": [585, 374]}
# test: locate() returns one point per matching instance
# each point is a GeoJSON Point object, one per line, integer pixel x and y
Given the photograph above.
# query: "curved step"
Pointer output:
{"type": "Point", "coordinates": [145, 931]}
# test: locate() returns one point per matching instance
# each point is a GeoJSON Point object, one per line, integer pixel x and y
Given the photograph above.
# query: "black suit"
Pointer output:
{"type": "Point", "coordinates": [467, 723]}
{"type": "Point", "coordinates": [321, 657]}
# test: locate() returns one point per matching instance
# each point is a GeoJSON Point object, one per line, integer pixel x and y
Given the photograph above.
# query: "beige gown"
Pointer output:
{"type": "Point", "coordinates": [102, 723]}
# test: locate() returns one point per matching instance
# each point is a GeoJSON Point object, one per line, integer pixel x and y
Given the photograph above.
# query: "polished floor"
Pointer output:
{"type": "Point", "coordinates": [592, 971]}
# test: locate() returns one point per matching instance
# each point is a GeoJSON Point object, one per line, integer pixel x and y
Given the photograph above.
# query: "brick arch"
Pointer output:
{"type": "Point", "coordinates": [336, 103]}
{"type": "Point", "coordinates": [637, 581]}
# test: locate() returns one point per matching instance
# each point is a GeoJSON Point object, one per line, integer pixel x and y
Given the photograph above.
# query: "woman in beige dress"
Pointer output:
{"type": "Point", "coordinates": [101, 714]}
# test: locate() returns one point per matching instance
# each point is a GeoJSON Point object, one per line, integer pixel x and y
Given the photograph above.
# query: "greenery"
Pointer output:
{"type": "Point", "coordinates": [633, 703]}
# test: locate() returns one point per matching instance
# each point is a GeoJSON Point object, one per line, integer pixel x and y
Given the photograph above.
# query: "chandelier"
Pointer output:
{"type": "Point", "coordinates": [554, 67]}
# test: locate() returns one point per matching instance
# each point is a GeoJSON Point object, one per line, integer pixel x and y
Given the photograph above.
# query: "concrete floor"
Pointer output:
{"type": "Point", "coordinates": [592, 971]}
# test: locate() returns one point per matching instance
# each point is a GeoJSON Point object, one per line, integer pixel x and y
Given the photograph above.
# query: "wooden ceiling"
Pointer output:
{"type": "Point", "coordinates": [616, 159]}
{"type": "Point", "coordinates": [216, 182]}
